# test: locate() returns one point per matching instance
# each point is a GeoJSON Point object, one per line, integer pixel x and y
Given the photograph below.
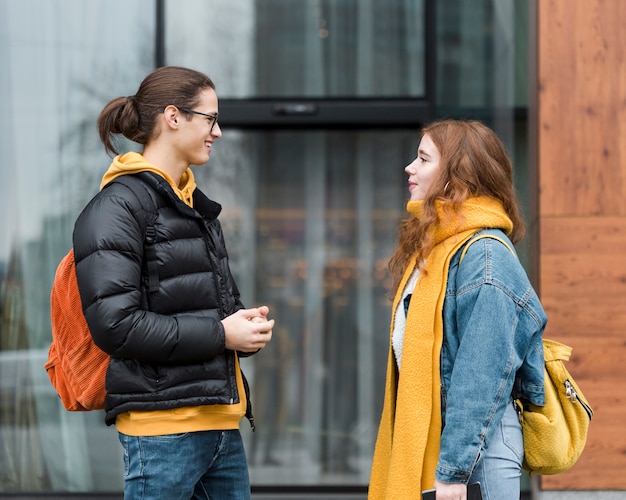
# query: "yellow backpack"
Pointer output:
{"type": "Point", "coordinates": [554, 434]}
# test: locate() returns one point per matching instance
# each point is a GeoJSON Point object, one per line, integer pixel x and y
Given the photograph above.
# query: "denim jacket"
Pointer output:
{"type": "Point", "coordinates": [492, 351]}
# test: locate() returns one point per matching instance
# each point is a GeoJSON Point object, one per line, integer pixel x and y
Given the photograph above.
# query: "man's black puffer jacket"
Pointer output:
{"type": "Point", "coordinates": [168, 350]}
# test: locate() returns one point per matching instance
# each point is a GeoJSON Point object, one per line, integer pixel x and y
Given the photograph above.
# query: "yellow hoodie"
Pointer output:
{"type": "Point", "coordinates": [132, 163]}
{"type": "Point", "coordinates": [186, 419]}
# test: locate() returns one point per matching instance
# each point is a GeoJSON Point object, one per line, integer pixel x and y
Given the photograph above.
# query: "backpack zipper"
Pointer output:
{"type": "Point", "coordinates": [572, 395]}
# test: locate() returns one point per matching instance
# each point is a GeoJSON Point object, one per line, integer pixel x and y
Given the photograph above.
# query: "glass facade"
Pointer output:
{"type": "Point", "coordinates": [311, 217]}
{"type": "Point", "coordinates": [310, 214]}
{"type": "Point", "coordinates": [306, 48]}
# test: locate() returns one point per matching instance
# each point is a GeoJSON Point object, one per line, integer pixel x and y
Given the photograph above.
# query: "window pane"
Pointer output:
{"type": "Point", "coordinates": [482, 56]}
{"type": "Point", "coordinates": [311, 219]}
{"type": "Point", "coordinates": [305, 48]}
{"type": "Point", "coordinates": [59, 64]}
{"type": "Point", "coordinates": [482, 72]}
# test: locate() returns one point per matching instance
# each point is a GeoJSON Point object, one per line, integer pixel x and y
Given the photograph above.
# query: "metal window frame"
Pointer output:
{"type": "Point", "coordinates": [325, 113]}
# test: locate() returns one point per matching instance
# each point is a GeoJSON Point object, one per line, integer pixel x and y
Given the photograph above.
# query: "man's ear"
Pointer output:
{"type": "Point", "coordinates": [171, 116]}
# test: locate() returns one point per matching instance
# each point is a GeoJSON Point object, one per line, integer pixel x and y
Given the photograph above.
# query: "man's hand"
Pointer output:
{"type": "Point", "coordinates": [248, 330]}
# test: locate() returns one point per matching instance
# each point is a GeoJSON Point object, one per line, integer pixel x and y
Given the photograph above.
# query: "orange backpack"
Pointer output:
{"type": "Point", "coordinates": [77, 367]}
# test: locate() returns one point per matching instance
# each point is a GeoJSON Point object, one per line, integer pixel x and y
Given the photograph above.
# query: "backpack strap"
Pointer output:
{"type": "Point", "coordinates": [480, 237]}
{"type": "Point", "coordinates": [147, 203]}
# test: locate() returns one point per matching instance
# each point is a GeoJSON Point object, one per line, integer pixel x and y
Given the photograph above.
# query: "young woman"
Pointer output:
{"type": "Point", "coordinates": [465, 333]}
{"type": "Point", "coordinates": [175, 391]}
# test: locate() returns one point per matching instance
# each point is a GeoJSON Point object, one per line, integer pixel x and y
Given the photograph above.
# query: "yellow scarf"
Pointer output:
{"type": "Point", "coordinates": [407, 447]}
{"type": "Point", "coordinates": [131, 163]}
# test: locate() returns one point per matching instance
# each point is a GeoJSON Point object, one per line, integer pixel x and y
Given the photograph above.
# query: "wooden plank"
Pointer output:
{"type": "Point", "coordinates": [594, 237]}
{"type": "Point", "coordinates": [582, 107]}
{"type": "Point", "coordinates": [581, 299]}
{"type": "Point", "coordinates": [583, 275]}
{"type": "Point", "coordinates": [575, 319]}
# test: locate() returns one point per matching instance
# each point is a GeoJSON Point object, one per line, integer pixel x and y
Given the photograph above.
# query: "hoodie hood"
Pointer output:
{"type": "Point", "coordinates": [132, 163]}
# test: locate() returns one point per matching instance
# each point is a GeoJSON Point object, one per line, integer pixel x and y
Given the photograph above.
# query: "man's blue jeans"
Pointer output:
{"type": "Point", "coordinates": [194, 465]}
{"type": "Point", "coordinates": [500, 467]}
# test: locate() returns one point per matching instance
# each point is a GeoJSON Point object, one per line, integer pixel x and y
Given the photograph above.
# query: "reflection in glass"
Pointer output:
{"type": "Point", "coordinates": [325, 208]}
{"type": "Point", "coordinates": [308, 48]}
{"type": "Point", "coordinates": [59, 65]}
{"type": "Point", "coordinates": [310, 217]}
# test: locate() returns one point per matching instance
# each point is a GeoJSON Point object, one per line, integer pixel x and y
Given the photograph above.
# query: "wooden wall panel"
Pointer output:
{"type": "Point", "coordinates": [583, 289]}
{"type": "Point", "coordinates": [581, 160]}
{"type": "Point", "coordinates": [583, 275]}
{"type": "Point", "coordinates": [582, 106]}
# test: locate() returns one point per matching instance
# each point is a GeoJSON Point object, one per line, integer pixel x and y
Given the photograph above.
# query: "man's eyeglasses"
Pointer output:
{"type": "Point", "coordinates": [212, 118]}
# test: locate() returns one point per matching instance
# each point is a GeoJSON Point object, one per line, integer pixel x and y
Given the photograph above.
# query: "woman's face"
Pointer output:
{"type": "Point", "coordinates": [423, 170]}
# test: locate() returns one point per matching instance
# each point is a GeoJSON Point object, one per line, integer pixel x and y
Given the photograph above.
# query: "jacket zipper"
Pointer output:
{"type": "Point", "coordinates": [212, 248]}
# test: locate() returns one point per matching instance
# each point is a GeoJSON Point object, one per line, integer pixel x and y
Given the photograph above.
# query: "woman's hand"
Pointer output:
{"type": "Point", "coordinates": [450, 491]}
{"type": "Point", "coordinates": [248, 330]}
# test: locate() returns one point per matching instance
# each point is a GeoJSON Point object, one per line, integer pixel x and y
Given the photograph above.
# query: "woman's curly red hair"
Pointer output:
{"type": "Point", "coordinates": [474, 162]}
